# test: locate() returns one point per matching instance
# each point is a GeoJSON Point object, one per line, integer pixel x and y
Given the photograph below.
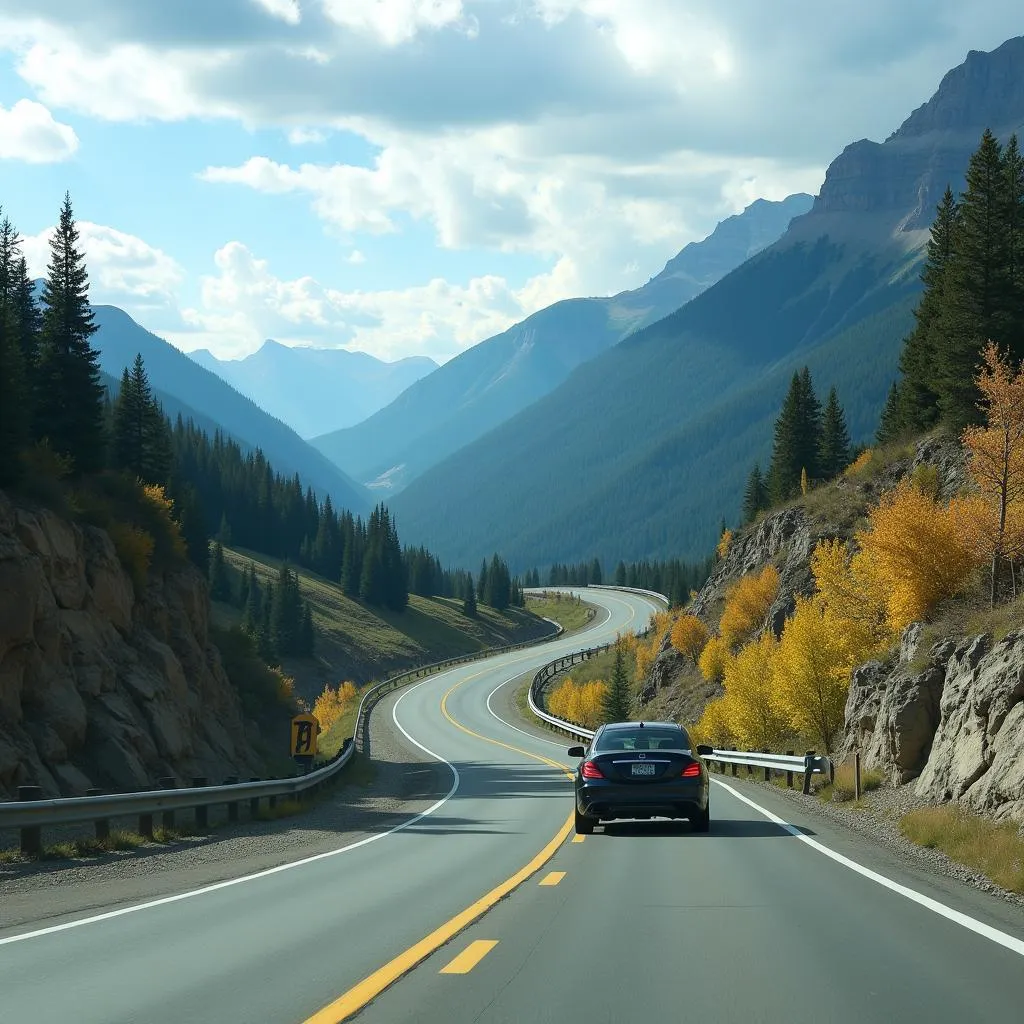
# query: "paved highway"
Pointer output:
{"type": "Point", "coordinates": [280, 946]}
{"type": "Point", "coordinates": [774, 916]}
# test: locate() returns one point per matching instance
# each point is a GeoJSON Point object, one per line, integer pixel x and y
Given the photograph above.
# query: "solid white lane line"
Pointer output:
{"type": "Point", "coordinates": [163, 901]}
{"type": "Point", "coordinates": [1003, 939]}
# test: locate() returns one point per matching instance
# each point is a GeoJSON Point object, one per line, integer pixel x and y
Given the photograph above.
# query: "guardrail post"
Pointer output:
{"type": "Point", "coordinates": [146, 825]}
{"type": "Point", "coordinates": [31, 835]}
{"type": "Point", "coordinates": [102, 825]}
{"type": "Point", "coordinates": [202, 818]}
{"type": "Point", "coordinates": [831, 772]}
{"type": "Point", "coordinates": [734, 769]}
{"type": "Point", "coordinates": [254, 802]}
{"type": "Point", "coordinates": [272, 801]}
{"type": "Point", "coordinates": [232, 780]}
{"type": "Point", "coordinates": [767, 771]}
{"type": "Point", "coordinates": [167, 818]}
{"type": "Point", "coordinates": [750, 768]}
{"type": "Point", "coordinates": [808, 771]}
{"type": "Point", "coordinates": [789, 771]}
{"type": "Point", "coordinates": [856, 775]}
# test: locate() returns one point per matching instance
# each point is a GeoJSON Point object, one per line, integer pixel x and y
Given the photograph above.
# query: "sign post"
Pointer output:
{"type": "Point", "coordinates": [305, 730]}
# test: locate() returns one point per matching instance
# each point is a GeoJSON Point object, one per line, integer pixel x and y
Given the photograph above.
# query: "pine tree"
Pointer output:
{"type": "Point", "coordinates": [595, 572]}
{"type": "Point", "coordinates": [834, 448]}
{"type": "Point", "coordinates": [188, 510]}
{"type": "Point", "coordinates": [617, 698]}
{"type": "Point", "coordinates": [1013, 219]}
{"type": "Point", "coordinates": [307, 636]}
{"type": "Point", "coordinates": [69, 392]}
{"type": "Point", "coordinates": [265, 634]}
{"type": "Point", "coordinates": [15, 408]}
{"type": "Point", "coordinates": [469, 601]}
{"type": "Point", "coordinates": [220, 582]}
{"type": "Point", "coordinates": [755, 497]}
{"type": "Point", "coordinates": [141, 439]}
{"type": "Point", "coordinates": [974, 307]}
{"type": "Point", "coordinates": [620, 571]}
{"type": "Point", "coordinates": [483, 590]}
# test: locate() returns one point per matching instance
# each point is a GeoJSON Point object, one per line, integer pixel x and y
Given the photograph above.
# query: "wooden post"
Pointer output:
{"type": "Point", "coordinates": [202, 818]}
{"type": "Point", "coordinates": [102, 825]}
{"type": "Point", "coordinates": [808, 771]}
{"type": "Point", "coordinates": [167, 818]}
{"type": "Point", "coordinates": [254, 802]}
{"type": "Point", "coordinates": [767, 771]}
{"type": "Point", "coordinates": [856, 775]}
{"type": "Point", "coordinates": [31, 835]}
{"type": "Point", "coordinates": [232, 780]}
{"type": "Point", "coordinates": [789, 772]}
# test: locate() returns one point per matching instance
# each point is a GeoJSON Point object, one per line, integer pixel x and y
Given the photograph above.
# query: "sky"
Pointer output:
{"type": "Point", "coordinates": [409, 177]}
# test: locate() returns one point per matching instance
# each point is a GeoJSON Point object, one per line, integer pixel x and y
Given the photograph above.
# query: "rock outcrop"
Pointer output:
{"type": "Point", "coordinates": [98, 686]}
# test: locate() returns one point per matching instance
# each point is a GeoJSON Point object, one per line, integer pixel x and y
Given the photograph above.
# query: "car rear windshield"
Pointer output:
{"type": "Point", "coordinates": [643, 739]}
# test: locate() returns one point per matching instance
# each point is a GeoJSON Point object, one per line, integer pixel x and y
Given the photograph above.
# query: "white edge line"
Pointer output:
{"type": "Point", "coordinates": [177, 897]}
{"type": "Point", "coordinates": [227, 883]}
{"type": "Point", "coordinates": [1010, 942]}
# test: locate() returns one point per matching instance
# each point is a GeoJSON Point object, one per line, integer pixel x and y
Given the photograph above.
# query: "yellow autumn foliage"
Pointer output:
{"type": "Point", "coordinates": [860, 463]}
{"type": "Point", "coordinates": [713, 659]}
{"type": "Point", "coordinates": [578, 702]}
{"type": "Point", "coordinates": [713, 727]}
{"type": "Point", "coordinates": [689, 636]}
{"type": "Point", "coordinates": [747, 604]}
{"type": "Point", "coordinates": [333, 703]}
{"type": "Point", "coordinates": [916, 551]}
{"type": "Point", "coordinates": [751, 706]}
{"type": "Point", "coordinates": [812, 666]}
{"type": "Point", "coordinates": [724, 543]}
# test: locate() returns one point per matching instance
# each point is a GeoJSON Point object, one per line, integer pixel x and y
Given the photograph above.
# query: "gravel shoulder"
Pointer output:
{"type": "Point", "coordinates": [402, 783]}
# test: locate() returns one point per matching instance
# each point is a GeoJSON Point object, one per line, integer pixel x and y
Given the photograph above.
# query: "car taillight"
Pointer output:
{"type": "Point", "coordinates": [691, 771]}
{"type": "Point", "coordinates": [591, 771]}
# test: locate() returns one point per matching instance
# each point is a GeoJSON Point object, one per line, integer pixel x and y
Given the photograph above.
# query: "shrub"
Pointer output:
{"type": "Point", "coordinates": [333, 703]}
{"type": "Point", "coordinates": [690, 636]}
{"type": "Point", "coordinates": [713, 660]}
{"type": "Point", "coordinates": [859, 464]}
{"type": "Point", "coordinates": [134, 549]}
{"type": "Point", "coordinates": [262, 690]}
{"type": "Point", "coordinates": [751, 705]}
{"type": "Point", "coordinates": [747, 603]}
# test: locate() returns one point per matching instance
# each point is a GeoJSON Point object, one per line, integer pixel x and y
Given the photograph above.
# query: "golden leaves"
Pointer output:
{"type": "Point", "coordinates": [747, 603]}
{"type": "Point", "coordinates": [333, 703]}
{"type": "Point", "coordinates": [689, 636]}
{"type": "Point", "coordinates": [581, 703]}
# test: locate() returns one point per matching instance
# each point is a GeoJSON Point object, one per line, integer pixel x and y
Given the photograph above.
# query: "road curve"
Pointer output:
{"type": "Point", "coordinates": [282, 945]}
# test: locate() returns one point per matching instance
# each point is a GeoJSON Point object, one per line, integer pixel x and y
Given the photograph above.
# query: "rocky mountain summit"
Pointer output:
{"type": "Point", "coordinates": [100, 686]}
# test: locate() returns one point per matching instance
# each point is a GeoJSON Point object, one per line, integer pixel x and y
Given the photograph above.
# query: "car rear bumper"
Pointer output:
{"type": "Point", "coordinates": [608, 800]}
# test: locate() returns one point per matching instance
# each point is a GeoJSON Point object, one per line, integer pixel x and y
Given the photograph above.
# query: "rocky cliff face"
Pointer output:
{"type": "Point", "coordinates": [903, 178]}
{"type": "Point", "coordinates": [956, 729]}
{"type": "Point", "coordinates": [99, 687]}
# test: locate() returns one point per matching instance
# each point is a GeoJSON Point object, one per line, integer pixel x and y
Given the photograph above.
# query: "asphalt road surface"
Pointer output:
{"type": "Point", "coordinates": [773, 916]}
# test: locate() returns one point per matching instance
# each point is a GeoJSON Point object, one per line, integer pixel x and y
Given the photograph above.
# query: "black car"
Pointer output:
{"type": "Point", "coordinates": [641, 770]}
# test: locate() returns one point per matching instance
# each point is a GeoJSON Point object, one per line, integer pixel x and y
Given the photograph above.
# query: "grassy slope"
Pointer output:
{"type": "Point", "coordinates": [571, 615]}
{"type": "Point", "coordinates": [361, 643]}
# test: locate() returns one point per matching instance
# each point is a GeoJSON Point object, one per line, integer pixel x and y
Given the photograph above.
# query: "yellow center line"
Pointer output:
{"type": "Point", "coordinates": [470, 957]}
{"type": "Point", "coordinates": [552, 878]}
{"type": "Point", "coordinates": [357, 997]}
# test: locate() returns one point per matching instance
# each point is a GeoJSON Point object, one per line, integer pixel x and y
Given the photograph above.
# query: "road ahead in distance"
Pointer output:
{"type": "Point", "coordinates": [758, 921]}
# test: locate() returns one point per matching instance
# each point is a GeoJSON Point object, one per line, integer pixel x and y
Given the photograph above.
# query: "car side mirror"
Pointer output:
{"type": "Point", "coordinates": [703, 750]}
{"type": "Point", "coordinates": [577, 751]}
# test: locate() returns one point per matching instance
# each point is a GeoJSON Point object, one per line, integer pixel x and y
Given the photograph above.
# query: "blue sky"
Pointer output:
{"type": "Point", "coordinates": [412, 176]}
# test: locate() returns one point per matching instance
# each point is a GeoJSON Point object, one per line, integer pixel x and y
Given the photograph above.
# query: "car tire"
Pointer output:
{"type": "Point", "coordinates": [702, 821]}
{"type": "Point", "coordinates": [584, 825]}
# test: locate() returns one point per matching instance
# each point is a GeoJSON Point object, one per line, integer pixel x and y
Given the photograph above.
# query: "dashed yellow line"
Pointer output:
{"type": "Point", "coordinates": [470, 957]}
{"type": "Point", "coordinates": [552, 878]}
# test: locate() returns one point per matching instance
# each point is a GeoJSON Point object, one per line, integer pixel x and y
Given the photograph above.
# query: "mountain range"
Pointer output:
{"type": "Point", "coordinates": [493, 381]}
{"type": "Point", "coordinates": [641, 450]}
{"type": "Point", "coordinates": [184, 386]}
{"type": "Point", "coordinates": [316, 390]}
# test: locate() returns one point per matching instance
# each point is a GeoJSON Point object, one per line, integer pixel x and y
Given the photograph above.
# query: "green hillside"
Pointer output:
{"type": "Point", "coordinates": [356, 642]}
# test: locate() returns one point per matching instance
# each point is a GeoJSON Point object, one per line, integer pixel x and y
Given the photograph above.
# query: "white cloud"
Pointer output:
{"type": "Point", "coordinates": [29, 132]}
{"type": "Point", "coordinates": [397, 21]}
{"type": "Point", "coordinates": [287, 10]}
{"type": "Point", "coordinates": [304, 136]}
{"type": "Point", "coordinates": [244, 303]}
{"type": "Point", "coordinates": [355, 256]}
{"type": "Point", "coordinates": [123, 269]}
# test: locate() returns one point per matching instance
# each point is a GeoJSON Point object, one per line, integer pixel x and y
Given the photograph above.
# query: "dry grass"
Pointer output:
{"type": "Point", "coordinates": [842, 791]}
{"type": "Point", "coordinates": [354, 641]}
{"type": "Point", "coordinates": [996, 849]}
{"type": "Point", "coordinates": [968, 615]}
{"type": "Point", "coordinates": [569, 613]}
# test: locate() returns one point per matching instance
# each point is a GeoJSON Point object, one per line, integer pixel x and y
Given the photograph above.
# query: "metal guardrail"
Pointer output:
{"type": "Point", "coordinates": [808, 764]}
{"type": "Point", "coordinates": [31, 814]}
{"type": "Point", "coordinates": [633, 590]}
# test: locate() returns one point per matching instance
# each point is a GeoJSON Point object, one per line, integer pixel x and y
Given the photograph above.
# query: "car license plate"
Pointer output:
{"type": "Point", "coordinates": [643, 769]}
